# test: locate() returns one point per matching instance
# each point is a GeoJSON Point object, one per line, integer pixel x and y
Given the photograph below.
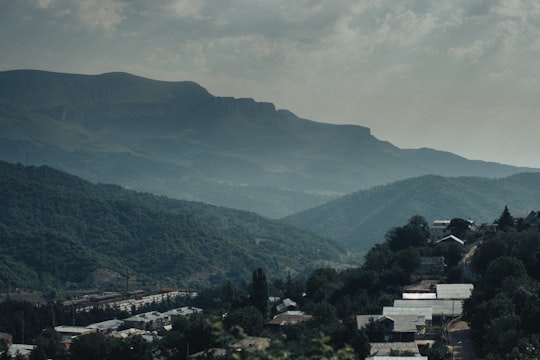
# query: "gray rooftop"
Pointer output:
{"type": "Point", "coordinates": [438, 307]}
{"type": "Point", "coordinates": [105, 325]}
{"type": "Point", "coordinates": [454, 291]}
{"type": "Point", "coordinates": [409, 309]}
{"type": "Point", "coordinates": [402, 323]}
{"type": "Point", "coordinates": [384, 349]}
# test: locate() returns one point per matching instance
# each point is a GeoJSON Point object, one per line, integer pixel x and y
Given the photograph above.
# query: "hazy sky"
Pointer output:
{"type": "Point", "coordinates": [462, 76]}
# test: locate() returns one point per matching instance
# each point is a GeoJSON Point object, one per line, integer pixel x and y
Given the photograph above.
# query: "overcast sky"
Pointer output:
{"type": "Point", "coordinates": [461, 76]}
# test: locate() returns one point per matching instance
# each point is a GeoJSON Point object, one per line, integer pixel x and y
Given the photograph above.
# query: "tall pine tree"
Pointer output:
{"type": "Point", "coordinates": [259, 293]}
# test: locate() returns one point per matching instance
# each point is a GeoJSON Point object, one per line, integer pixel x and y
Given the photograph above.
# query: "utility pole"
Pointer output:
{"type": "Point", "coordinates": [127, 280]}
{"type": "Point", "coordinates": [22, 328]}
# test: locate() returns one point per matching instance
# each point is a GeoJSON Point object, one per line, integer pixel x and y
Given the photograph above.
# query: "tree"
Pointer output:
{"type": "Point", "coordinates": [420, 222]}
{"type": "Point", "coordinates": [259, 293]}
{"type": "Point", "coordinates": [249, 319]}
{"type": "Point", "coordinates": [375, 331]}
{"type": "Point", "coordinates": [414, 234]}
{"type": "Point", "coordinates": [438, 351]}
{"type": "Point", "coordinates": [93, 346]}
{"type": "Point", "coordinates": [322, 284]}
{"type": "Point", "coordinates": [48, 346]}
{"type": "Point", "coordinates": [505, 220]}
{"type": "Point", "coordinates": [360, 344]}
{"type": "Point", "coordinates": [132, 348]}
{"type": "Point", "coordinates": [459, 227]}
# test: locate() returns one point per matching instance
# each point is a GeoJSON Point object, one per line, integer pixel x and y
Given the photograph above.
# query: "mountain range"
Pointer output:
{"type": "Point", "coordinates": [362, 219]}
{"type": "Point", "coordinates": [57, 230]}
{"type": "Point", "coordinates": [177, 139]}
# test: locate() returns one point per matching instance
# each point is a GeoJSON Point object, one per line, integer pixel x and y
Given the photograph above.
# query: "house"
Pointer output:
{"type": "Point", "coordinates": [439, 228]}
{"type": "Point", "coordinates": [450, 238]}
{"type": "Point", "coordinates": [124, 334]}
{"type": "Point", "coordinates": [250, 343]}
{"type": "Point", "coordinates": [286, 305]}
{"type": "Point", "coordinates": [419, 296]}
{"type": "Point", "coordinates": [399, 328]}
{"type": "Point", "coordinates": [439, 308]}
{"type": "Point", "coordinates": [185, 311]}
{"type": "Point", "coordinates": [148, 321]}
{"type": "Point", "coordinates": [424, 286]}
{"type": "Point", "coordinates": [288, 318]}
{"type": "Point", "coordinates": [392, 350]}
{"type": "Point", "coordinates": [106, 327]}
{"type": "Point", "coordinates": [526, 219]}
{"type": "Point", "coordinates": [408, 309]}
{"type": "Point", "coordinates": [21, 350]}
{"type": "Point", "coordinates": [70, 332]}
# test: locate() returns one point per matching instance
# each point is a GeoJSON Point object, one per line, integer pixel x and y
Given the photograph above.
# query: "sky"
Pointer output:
{"type": "Point", "coordinates": [460, 76]}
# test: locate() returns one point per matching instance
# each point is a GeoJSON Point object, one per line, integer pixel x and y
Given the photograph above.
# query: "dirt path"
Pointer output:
{"type": "Point", "coordinates": [466, 262]}
{"type": "Point", "coordinates": [459, 338]}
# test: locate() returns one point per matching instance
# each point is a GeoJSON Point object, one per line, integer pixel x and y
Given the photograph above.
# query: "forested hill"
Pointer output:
{"type": "Point", "coordinates": [177, 139]}
{"type": "Point", "coordinates": [361, 219]}
{"type": "Point", "coordinates": [57, 229]}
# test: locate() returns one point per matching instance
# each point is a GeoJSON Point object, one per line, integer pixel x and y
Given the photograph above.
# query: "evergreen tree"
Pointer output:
{"type": "Point", "coordinates": [505, 220]}
{"type": "Point", "coordinates": [259, 294]}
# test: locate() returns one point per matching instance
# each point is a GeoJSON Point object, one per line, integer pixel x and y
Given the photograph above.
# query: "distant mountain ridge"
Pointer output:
{"type": "Point", "coordinates": [361, 219]}
{"type": "Point", "coordinates": [176, 139]}
{"type": "Point", "coordinates": [57, 229]}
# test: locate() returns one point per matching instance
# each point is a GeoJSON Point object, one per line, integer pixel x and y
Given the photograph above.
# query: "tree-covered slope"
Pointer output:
{"type": "Point", "coordinates": [176, 139]}
{"type": "Point", "coordinates": [56, 228]}
{"type": "Point", "coordinates": [504, 309]}
{"type": "Point", "coordinates": [362, 218]}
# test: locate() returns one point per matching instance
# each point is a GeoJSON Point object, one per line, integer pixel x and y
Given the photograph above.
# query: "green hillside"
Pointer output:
{"type": "Point", "coordinates": [59, 230]}
{"type": "Point", "coordinates": [361, 219]}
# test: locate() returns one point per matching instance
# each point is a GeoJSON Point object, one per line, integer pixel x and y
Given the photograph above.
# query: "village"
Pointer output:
{"type": "Point", "coordinates": [408, 326]}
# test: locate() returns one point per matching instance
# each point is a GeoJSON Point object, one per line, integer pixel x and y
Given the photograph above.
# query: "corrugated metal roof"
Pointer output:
{"type": "Point", "coordinates": [402, 323]}
{"type": "Point", "coordinates": [454, 291]}
{"type": "Point", "coordinates": [426, 311]}
{"type": "Point", "coordinates": [440, 307]}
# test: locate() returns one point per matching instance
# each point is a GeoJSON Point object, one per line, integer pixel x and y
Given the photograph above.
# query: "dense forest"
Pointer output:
{"type": "Point", "coordinates": [58, 231]}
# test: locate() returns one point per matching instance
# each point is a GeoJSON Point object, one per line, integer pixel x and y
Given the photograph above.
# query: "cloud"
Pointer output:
{"type": "Point", "coordinates": [44, 4]}
{"type": "Point", "coordinates": [472, 53]}
{"type": "Point", "coordinates": [104, 14]}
